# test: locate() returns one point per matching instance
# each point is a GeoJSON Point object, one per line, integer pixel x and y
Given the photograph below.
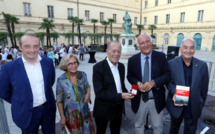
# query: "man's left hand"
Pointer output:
{"type": "Point", "coordinates": [148, 86]}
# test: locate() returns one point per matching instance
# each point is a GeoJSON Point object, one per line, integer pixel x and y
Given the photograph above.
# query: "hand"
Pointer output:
{"type": "Point", "coordinates": [87, 98]}
{"type": "Point", "coordinates": [178, 105]}
{"type": "Point", "coordinates": [62, 120]}
{"type": "Point", "coordinates": [148, 86]}
{"type": "Point", "coordinates": [140, 86]}
{"type": "Point", "coordinates": [126, 96]}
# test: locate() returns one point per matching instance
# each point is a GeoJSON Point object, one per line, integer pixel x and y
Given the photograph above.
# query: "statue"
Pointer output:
{"type": "Point", "coordinates": [127, 25]}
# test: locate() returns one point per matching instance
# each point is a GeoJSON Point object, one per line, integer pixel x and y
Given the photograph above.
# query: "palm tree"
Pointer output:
{"type": "Point", "coordinates": [72, 19]}
{"type": "Point", "coordinates": [152, 27]}
{"type": "Point", "coordinates": [68, 35]}
{"type": "Point", "coordinates": [111, 21]}
{"type": "Point", "coordinates": [79, 22]}
{"type": "Point", "coordinates": [7, 21]}
{"type": "Point", "coordinates": [55, 36]}
{"type": "Point", "coordinates": [3, 37]}
{"type": "Point", "coordinates": [94, 26]}
{"type": "Point", "coordinates": [105, 23]}
{"type": "Point", "coordinates": [14, 20]}
{"type": "Point", "coordinates": [139, 27]}
{"type": "Point", "coordinates": [41, 36]}
{"type": "Point", "coordinates": [18, 35]}
{"type": "Point", "coordinates": [47, 24]}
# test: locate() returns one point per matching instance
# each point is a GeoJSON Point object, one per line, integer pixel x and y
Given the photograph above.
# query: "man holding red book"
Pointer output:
{"type": "Point", "coordinates": [187, 71]}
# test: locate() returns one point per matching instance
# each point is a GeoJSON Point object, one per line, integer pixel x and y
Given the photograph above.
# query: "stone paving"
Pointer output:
{"type": "Point", "coordinates": [127, 124]}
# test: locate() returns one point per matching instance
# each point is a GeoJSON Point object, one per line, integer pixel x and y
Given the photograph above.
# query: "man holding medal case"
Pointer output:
{"type": "Point", "coordinates": [149, 71]}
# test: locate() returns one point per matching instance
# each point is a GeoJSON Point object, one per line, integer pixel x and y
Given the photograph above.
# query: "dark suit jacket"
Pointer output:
{"type": "Point", "coordinates": [15, 88]}
{"type": "Point", "coordinates": [159, 73]}
{"type": "Point", "coordinates": [108, 103]}
{"type": "Point", "coordinates": [198, 89]}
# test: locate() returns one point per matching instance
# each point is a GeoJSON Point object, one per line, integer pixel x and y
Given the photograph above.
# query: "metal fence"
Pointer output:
{"type": "Point", "coordinates": [3, 119]}
{"type": "Point", "coordinates": [211, 71]}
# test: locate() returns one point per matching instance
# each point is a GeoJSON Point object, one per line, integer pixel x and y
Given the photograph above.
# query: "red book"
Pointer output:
{"type": "Point", "coordinates": [182, 95]}
{"type": "Point", "coordinates": [134, 90]}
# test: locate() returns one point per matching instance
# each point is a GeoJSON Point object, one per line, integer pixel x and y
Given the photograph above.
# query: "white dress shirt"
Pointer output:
{"type": "Point", "coordinates": [115, 72]}
{"type": "Point", "coordinates": [35, 77]}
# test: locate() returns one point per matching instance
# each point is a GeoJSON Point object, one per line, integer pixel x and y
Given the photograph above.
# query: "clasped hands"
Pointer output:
{"type": "Point", "coordinates": [147, 86]}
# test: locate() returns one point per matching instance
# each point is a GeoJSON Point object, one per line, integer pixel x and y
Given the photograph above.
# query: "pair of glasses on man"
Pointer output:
{"type": "Point", "coordinates": [72, 63]}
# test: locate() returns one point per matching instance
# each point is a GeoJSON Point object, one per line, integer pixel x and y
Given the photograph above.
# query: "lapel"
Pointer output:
{"type": "Point", "coordinates": [153, 65]}
{"type": "Point", "coordinates": [109, 73]}
{"type": "Point", "coordinates": [44, 71]}
{"type": "Point", "coordinates": [194, 71]}
{"type": "Point", "coordinates": [138, 65]}
{"type": "Point", "coordinates": [22, 72]}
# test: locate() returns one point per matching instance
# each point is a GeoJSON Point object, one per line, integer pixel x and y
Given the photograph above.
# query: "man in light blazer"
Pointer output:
{"type": "Point", "coordinates": [27, 83]}
{"type": "Point", "coordinates": [149, 71]}
{"type": "Point", "coordinates": [110, 90]}
{"type": "Point", "coordinates": [189, 71]}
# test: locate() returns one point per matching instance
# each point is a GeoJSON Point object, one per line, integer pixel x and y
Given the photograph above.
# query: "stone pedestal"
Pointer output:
{"type": "Point", "coordinates": [127, 43]}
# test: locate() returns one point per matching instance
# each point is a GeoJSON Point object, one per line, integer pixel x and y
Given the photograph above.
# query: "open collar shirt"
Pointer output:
{"type": "Point", "coordinates": [35, 77]}
{"type": "Point", "coordinates": [116, 76]}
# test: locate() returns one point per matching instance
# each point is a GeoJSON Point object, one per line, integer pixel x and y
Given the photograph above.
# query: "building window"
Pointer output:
{"type": "Point", "coordinates": [156, 20]}
{"type": "Point", "coordinates": [27, 9]}
{"type": "Point", "coordinates": [167, 18]}
{"type": "Point", "coordinates": [156, 2]}
{"type": "Point", "coordinates": [145, 20]}
{"type": "Point", "coordinates": [87, 15]}
{"type": "Point", "coordinates": [101, 16]}
{"type": "Point", "coordinates": [182, 17]}
{"type": "Point", "coordinates": [168, 1]}
{"type": "Point", "coordinates": [70, 12]}
{"type": "Point", "coordinates": [200, 15]}
{"type": "Point", "coordinates": [146, 4]}
{"type": "Point", "coordinates": [135, 20]}
{"type": "Point", "coordinates": [166, 38]}
{"type": "Point", "coordinates": [50, 11]}
{"type": "Point", "coordinates": [114, 17]}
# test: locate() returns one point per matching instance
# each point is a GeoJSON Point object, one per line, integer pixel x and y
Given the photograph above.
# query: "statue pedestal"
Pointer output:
{"type": "Point", "coordinates": [127, 43]}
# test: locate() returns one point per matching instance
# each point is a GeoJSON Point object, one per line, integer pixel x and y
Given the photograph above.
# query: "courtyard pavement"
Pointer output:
{"type": "Point", "coordinates": [128, 123]}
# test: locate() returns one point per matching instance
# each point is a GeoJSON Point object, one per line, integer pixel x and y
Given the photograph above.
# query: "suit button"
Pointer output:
{"type": "Point", "coordinates": [31, 110]}
{"type": "Point", "coordinates": [31, 100]}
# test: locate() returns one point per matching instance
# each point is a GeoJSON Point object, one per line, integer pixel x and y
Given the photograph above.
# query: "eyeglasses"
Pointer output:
{"type": "Point", "coordinates": [115, 51]}
{"type": "Point", "coordinates": [72, 63]}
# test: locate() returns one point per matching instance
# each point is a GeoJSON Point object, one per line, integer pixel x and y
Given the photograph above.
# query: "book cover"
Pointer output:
{"type": "Point", "coordinates": [182, 95]}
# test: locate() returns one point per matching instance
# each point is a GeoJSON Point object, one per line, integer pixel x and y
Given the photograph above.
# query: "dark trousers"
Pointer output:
{"type": "Point", "coordinates": [81, 57]}
{"type": "Point", "coordinates": [115, 125]}
{"type": "Point", "coordinates": [190, 125]}
{"type": "Point", "coordinates": [43, 117]}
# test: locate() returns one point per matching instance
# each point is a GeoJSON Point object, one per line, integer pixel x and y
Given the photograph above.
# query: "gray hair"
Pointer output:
{"type": "Point", "coordinates": [145, 35]}
{"type": "Point", "coordinates": [190, 39]}
{"type": "Point", "coordinates": [108, 47]}
{"type": "Point", "coordinates": [28, 34]}
{"type": "Point", "coordinates": [65, 59]}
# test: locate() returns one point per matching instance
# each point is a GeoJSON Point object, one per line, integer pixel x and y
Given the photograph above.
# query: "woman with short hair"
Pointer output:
{"type": "Point", "coordinates": [73, 95]}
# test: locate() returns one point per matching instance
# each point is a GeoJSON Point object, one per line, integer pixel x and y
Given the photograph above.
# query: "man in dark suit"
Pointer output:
{"type": "Point", "coordinates": [189, 71]}
{"type": "Point", "coordinates": [149, 71]}
{"type": "Point", "coordinates": [110, 90]}
{"type": "Point", "coordinates": [27, 83]}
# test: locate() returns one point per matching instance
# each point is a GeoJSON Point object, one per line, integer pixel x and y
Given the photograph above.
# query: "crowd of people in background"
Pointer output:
{"type": "Point", "coordinates": [55, 52]}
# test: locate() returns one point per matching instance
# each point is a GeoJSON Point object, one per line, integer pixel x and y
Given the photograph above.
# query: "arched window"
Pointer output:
{"type": "Point", "coordinates": [154, 40]}
{"type": "Point", "coordinates": [180, 37]}
{"type": "Point", "coordinates": [213, 45]}
{"type": "Point", "coordinates": [166, 38]}
{"type": "Point", "coordinates": [198, 38]}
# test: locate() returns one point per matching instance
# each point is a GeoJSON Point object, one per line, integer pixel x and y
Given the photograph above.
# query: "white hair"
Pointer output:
{"type": "Point", "coordinates": [191, 39]}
